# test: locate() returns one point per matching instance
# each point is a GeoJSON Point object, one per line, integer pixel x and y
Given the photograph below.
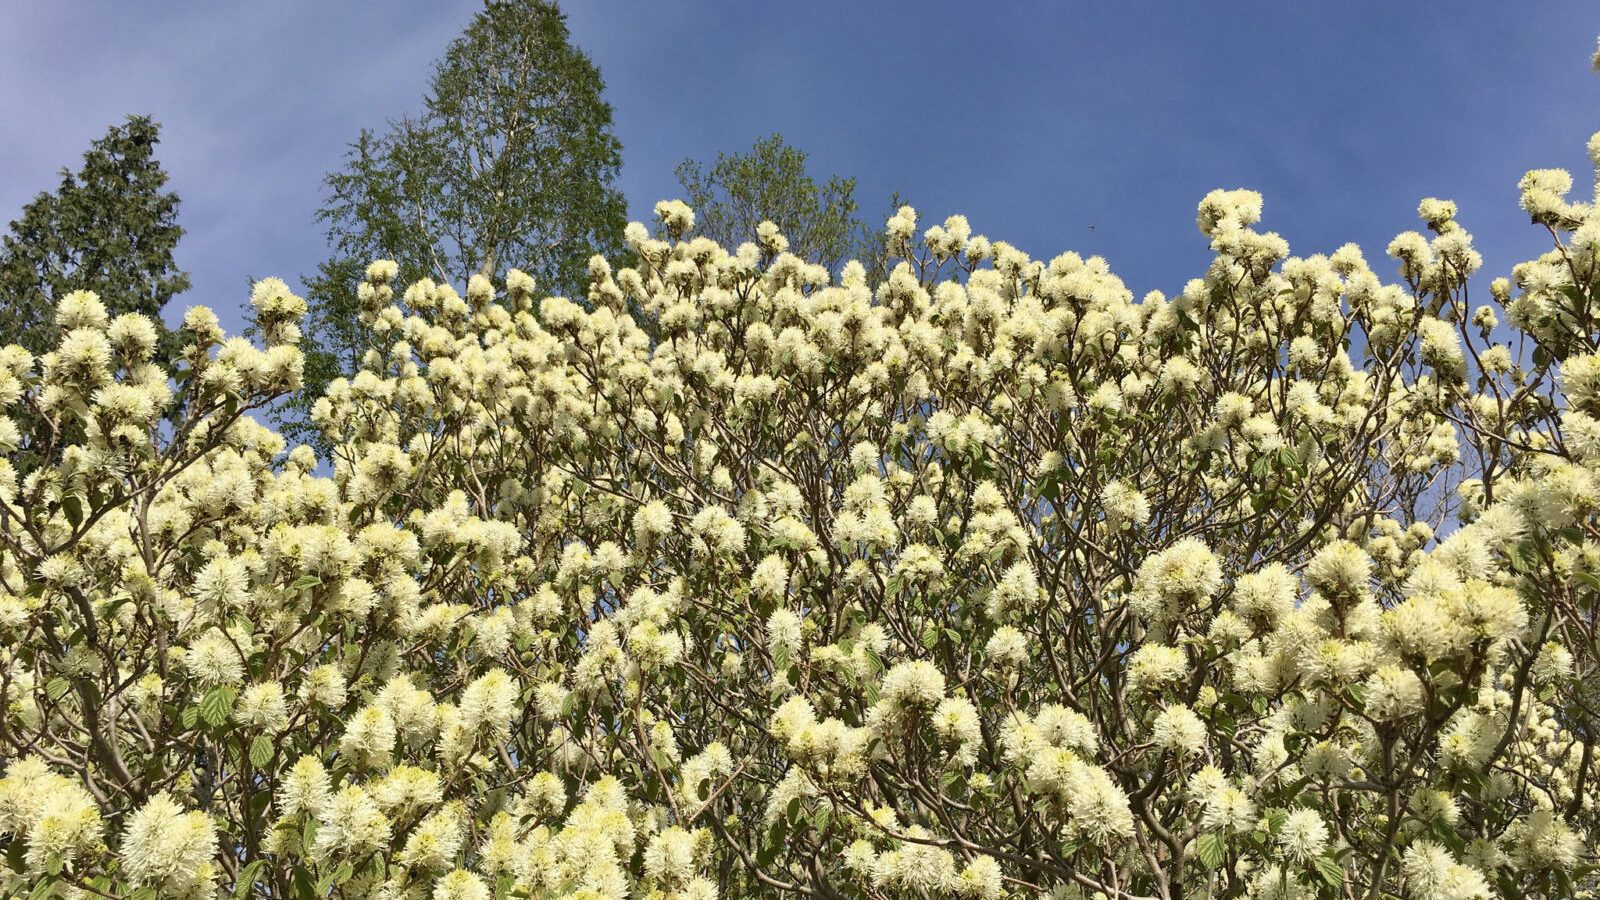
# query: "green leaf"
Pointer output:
{"type": "Point", "coordinates": [247, 880]}
{"type": "Point", "coordinates": [777, 838]}
{"type": "Point", "coordinates": [56, 687]}
{"type": "Point", "coordinates": [659, 759]}
{"type": "Point", "coordinates": [190, 716]}
{"type": "Point", "coordinates": [304, 888]}
{"type": "Point", "coordinates": [216, 705]}
{"type": "Point", "coordinates": [821, 818]}
{"type": "Point", "coordinates": [1211, 848]}
{"type": "Point", "coordinates": [1276, 816]}
{"type": "Point", "coordinates": [305, 583]}
{"type": "Point", "coordinates": [15, 852]}
{"type": "Point", "coordinates": [72, 505]}
{"type": "Point", "coordinates": [1521, 556]}
{"type": "Point", "coordinates": [261, 750]}
{"type": "Point", "coordinates": [1329, 870]}
{"type": "Point", "coordinates": [259, 801]}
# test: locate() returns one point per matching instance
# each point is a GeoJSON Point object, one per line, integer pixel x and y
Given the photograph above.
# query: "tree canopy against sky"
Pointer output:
{"type": "Point", "coordinates": [770, 182]}
{"type": "Point", "coordinates": [510, 164]}
{"type": "Point", "coordinates": [110, 227]}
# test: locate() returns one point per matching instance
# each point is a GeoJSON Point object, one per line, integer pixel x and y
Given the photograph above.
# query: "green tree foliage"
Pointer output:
{"type": "Point", "coordinates": [510, 163]}
{"type": "Point", "coordinates": [733, 195]}
{"type": "Point", "coordinates": [110, 228]}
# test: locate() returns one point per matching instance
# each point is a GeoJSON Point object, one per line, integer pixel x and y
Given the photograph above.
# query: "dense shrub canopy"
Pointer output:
{"type": "Point", "coordinates": [995, 581]}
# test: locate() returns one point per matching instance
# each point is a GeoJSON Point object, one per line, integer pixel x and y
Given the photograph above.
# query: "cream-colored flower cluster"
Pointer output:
{"type": "Point", "coordinates": [740, 577]}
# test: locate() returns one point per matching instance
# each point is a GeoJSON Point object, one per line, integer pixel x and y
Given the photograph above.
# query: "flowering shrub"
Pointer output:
{"type": "Point", "coordinates": [992, 581]}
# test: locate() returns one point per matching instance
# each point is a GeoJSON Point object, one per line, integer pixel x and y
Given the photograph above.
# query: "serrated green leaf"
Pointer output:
{"type": "Point", "coordinates": [305, 583]}
{"type": "Point", "coordinates": [1276, 816]}
{"type": "Point", "coordinates": [56, 688]}
{"type": "Point", "coordinates": [777, 838]}
{"type": "Point", "coordinates": [216, 706]}
{"type": "Point", "coordinates": [261, 750]}
{"type": "Point", "coordinates": [304, 888]}
{"type": "Point", "coordinates": [659, 759]}
{"type": "Point", "coordinates": [1329, 870]}
{"type": "Point", "coordinates": [1211, 849]}
{"type": "Point", "coordinates": [247, 880]}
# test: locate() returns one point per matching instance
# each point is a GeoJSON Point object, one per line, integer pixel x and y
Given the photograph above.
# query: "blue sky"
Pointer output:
{"type": "Point", "coordinates": [1035, 120]}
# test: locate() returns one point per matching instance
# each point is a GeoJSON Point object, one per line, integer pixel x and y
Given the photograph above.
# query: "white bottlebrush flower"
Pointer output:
{"type": "Point", "coordinates": [1228, 810]}
{"type": "Point", "coordinates": [213, 660]}
{"type": "Point", "coordinates": [1124, 505]}
{"type": "Point", "coordinates": [489, 704]}
{"type": "Point", "coordinates": [305, 788]}
{"type": "Point", "coordinates": [167, 848]}
{"type": "Point", "coordinates": [369, 737]}
{"type": "Point", "coordinates": [1303, 835]}
{"type": "Point", "coordinates": [461, 885]}
{"type": "Point", "coordinates": [1175, 580]}
{"type": "Point", "coordinates": [1179, 730]}
{"type": "Point", "coordinates": [1266, 595]}
{"type": "Point", "coordinates": [262, 706]}
{"type": "Point", "coordinates": [1016, 594]}
{"type": "Point", "coordinates": [1340, 569]}
{"type": "Point", "coordinates": [436, 840]}
{"type": "Point", "coordinates": [1431, 873]}
{"type": "Point", "coordinates": [1007, 646]}
{"type": "Point", "coordinates": [771, 577]}
{"type": "Point", "coordinates": [670, 856]}
{"type": "Point", "coordinates": [982, 879]}
{"type": "Point", "coordinates": [351, 823]}
{"type": "Point", "coordinates": [785, 633]}
{"type": "Point", "coordinates": [1154, 665]}
{"type": "Point", "coordinates": [1393, 692]}
{"type": "Point", "coordinates": [913, 685]}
